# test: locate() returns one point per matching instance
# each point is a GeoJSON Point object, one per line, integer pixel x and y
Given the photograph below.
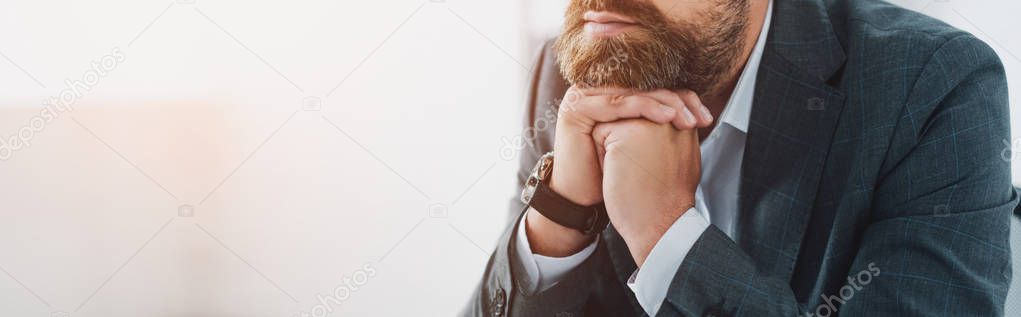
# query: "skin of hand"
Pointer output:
{"type": "Point", "coordinates": [577, 174]}
{"type": "Point", "coordinates": [650, 173]}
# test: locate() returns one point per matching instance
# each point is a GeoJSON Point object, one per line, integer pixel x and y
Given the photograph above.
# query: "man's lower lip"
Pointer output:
{"type": "Point", "coordinates": [597, 29]}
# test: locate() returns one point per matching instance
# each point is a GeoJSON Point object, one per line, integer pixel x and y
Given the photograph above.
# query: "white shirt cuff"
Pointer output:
{"type": "Point", "coordinates": [542, 271]}
{"type": "Point", "coordinates": [651, 284]}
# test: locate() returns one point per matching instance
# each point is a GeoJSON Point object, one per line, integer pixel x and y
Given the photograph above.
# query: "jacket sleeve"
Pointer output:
{"type": "Point", "coordinates": [938, 238]}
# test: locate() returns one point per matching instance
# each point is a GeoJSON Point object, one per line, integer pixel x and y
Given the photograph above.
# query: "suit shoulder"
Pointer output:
{"type": "Point", "coordinates": [902, 37]}
{"type": "Point", "coordinates": [882, 18]}
{"type": "Point", "coordinates": [882, 24]}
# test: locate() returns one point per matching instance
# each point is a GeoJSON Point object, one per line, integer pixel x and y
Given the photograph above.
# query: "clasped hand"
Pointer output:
{"type": "Point", "coordinates": [636, 151]}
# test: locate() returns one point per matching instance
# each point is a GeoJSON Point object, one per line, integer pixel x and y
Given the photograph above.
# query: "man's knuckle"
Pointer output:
{"type": "Point", "coordinates": [617, 100]}
{"type": "Point", "coordinates": [676, 99]}
{"type": "Point", "coordinates": [688, 94]}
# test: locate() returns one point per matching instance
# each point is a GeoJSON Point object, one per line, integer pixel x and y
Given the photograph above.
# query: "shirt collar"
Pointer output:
{"type": "Point", "coordinates": [738, 110]}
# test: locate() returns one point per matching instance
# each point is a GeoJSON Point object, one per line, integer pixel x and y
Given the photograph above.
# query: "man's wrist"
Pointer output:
{"type": "Point", "coordinates": [554, 206]}
{"type": "Point", "coordinates": [549, 238]}
{"type": "Point", "coordinates": [581, 196]}
{"type": "Point", "coordinates": [575, 176]}
{"type": "Point", "coordinates": [653, 278]}
{"type": "Point", "coordinates": [641, 246]}
{"type": "Point", "coordinates": [641, 241]}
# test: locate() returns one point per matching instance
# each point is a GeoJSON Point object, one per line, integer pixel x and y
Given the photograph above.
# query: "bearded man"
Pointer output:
{"type": "Point", "coordinates": [759, 158]}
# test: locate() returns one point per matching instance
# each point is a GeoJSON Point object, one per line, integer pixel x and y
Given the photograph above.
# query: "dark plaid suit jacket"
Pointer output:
{"type": "Point", "coordinates": [876, 152]}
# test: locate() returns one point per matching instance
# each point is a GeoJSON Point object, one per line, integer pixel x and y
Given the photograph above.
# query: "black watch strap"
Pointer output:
{"type": "Point", "coordinates": [587, 219]}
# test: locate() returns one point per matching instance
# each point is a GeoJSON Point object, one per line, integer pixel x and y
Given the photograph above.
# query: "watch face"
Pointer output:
{"type": "Point", "coordinates": [545, 167]}
{"type": "Point", "coordinates": [541, 171]}
{"type": "Point", "coordinates": [529, 191]}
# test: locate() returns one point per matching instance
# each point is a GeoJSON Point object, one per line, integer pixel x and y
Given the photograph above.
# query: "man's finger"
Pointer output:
{"type": "Point", "coordinates": [695, 105]}
{"type": "Point", "coordinates": [600, 91]}
{"type": "Point", "coordinates": [686, 118]}
{"type": "Point", "coordinates": [607, 108]}
{"type": "Point", "coordinates": [691, 112]}
{"type": "Point", "coordinates": [599, 135]}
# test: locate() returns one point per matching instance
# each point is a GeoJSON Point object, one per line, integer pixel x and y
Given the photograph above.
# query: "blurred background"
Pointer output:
{"type": "Point", "coordinates": [267, 158]}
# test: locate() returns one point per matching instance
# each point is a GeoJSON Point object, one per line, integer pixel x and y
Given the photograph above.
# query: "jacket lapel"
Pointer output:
{"type": "Point", "coordinates": [794, 114]}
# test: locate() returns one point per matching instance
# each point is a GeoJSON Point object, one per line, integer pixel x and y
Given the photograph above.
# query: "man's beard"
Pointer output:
{"type": "Point", "coordinates": [660, 53]}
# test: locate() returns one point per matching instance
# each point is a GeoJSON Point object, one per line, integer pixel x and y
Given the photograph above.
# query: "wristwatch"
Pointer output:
{"type": "Point", "coordinates": [586, 219]}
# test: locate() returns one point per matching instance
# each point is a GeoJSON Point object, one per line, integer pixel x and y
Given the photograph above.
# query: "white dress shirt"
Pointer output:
{"type": "Point", "coordinates": [715, 201]}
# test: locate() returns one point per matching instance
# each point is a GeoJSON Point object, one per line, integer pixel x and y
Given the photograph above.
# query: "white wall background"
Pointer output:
{"type": "Point", "coordinates": [205, 113]}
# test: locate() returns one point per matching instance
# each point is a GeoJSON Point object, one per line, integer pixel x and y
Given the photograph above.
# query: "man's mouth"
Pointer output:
{"type": "Point", "coordinates": [604, 24]}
